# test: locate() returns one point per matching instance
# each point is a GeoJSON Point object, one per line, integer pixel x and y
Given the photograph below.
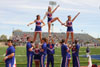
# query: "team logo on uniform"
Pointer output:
{"type": "Point", "coordinates": [36, 51]}
{"type": "Point", "coordinates": [51, 46]}
{"type": "Point", "coordinates": [38, 23]}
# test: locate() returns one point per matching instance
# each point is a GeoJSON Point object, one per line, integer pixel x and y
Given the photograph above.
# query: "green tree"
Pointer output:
{"type": "Point", "coordinates": [17, 30]}
{"type": "Point", "coordinates": [3, 37]}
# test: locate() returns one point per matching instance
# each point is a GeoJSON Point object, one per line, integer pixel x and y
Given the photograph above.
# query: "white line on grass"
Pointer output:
{"type": "Point", "coordinates": [25, 55]}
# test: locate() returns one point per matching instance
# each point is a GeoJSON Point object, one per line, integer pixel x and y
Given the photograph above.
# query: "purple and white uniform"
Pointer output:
{"type": "Point", "coordinates": [29, 54]}
{"type": "Point", "coordinates": [75, 56]}
{"type": "Point", "coordinates": [64, 55]}
{"type": "Point", "coordinates": [43, 55]}
{"type": "Point", "coordinates": [9, 62]}
{"type": "Point", "coordinates": [36, 54]}
{"type": "Point", "coordinates": [38, 26]}
{"type": "Point", "coordinates": [69, 26]}
{"type": "Point", "coordinates": [49, 15]}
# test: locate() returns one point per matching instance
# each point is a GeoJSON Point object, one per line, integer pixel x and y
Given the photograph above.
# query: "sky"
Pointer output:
{"type": "Point", "coordinates": [16, 14]}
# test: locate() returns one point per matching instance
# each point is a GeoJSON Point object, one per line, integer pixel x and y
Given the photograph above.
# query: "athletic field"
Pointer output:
{"type": "Point", "coordinates": [21, 56]}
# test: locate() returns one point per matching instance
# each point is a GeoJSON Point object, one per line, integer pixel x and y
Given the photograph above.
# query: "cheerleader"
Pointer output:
{"type": "Point", "coordinates": [75, 54]}
{"type": "Point", "coordinates": [38, 28]}
{"type": "Point", "coordinates": [50, 52]}
{"type": "Point", "coordinates": [37, 55]}
{"type": "Point", "coordinates": [50, 19]}
{"type": "Point", "coordinates": [43, 52]}
{"type": "Point", "coordinates": [64, 52]}
{"type": "Point", "coordinates": [69, 27]}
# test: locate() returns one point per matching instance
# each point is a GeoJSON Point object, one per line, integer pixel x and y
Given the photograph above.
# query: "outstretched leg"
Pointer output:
{"type": "Point", "coordinates": [72, 35]}
{"type": "Point", "coordinates": [54, 19]}
{"type": "Point", "coordinates": [49, 24]}
{"type": "Point", "coordinates": [35, 34]}
{"type": "Point", "coordinates": [67, 36]}
{"type": "Point", "coordinates": [40, 34]}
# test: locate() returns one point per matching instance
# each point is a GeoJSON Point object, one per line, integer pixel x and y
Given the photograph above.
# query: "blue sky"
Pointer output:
{"type": "Point", "coordinates": [16, 14]}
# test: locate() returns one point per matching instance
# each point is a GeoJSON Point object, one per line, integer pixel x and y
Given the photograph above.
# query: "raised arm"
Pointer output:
{"type": "Point", "coordinates": [55, 9]}
{"type": "Point", "coordinates": [45, 16]}
{"type": "Point", "coordinates": [75, 17]}
{"type": "Point", "coordinates": [30, 23]}
{"type": "Point", "coordinates": [43, 23]}
{"type": "Point", "coordinates": [66, 23]}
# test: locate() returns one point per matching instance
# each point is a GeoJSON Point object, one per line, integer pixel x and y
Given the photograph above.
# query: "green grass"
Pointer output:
{"type": "Point", "coordinates": [21, 60]}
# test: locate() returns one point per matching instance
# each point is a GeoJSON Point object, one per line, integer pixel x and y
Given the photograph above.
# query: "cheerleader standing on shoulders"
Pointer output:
{"type": "Point", "coordinates": [38, 28]}
{"type": "Point", "coordinates": [50, 19]}
{"type": "Point", "coordinates": [70, 27]}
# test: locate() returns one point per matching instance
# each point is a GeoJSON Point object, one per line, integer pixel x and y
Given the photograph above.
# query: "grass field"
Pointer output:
{"type": "Point", "coordinates": [21, 56]}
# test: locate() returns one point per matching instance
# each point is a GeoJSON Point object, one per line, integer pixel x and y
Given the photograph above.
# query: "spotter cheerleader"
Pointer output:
{"type": "Point", "coordinates": [75, 54]}
{"type": "Point", "coordinates": [43, 52]}
{"type": "Point", "coordinates": [64, 52]}
{"type": "Point", "coordinates": [37, 55]}
{"type": "Point", "coordinates": [50, 52]}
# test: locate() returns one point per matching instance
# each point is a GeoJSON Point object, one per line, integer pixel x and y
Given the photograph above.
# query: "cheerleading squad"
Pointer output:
{"type": "Point", "coordinates": [47, 47]}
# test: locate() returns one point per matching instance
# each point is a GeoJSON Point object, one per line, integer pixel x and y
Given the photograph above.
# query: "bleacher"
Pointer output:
{"type": "Point", "coordinates": [83, 38]}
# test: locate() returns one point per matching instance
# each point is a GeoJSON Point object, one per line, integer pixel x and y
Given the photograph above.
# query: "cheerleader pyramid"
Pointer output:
{"type": "Point", "coordinates": [46, 48]}
{"type": "Point", "coordinates": [47, 44]}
